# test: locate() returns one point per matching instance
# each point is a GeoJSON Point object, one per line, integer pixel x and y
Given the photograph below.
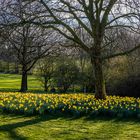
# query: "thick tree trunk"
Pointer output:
{"type": "Point", "coordinates": [24, 86]}
{"type": "Point", "coordinates": [100, 89]}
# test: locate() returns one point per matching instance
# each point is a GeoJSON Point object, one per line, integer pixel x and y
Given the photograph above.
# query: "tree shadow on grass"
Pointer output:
{"type": "Point", "coordinates": [35, 91]}
{"type": "Point", "coordinates": [10, 128]}
{"type": "Point", "coordinates": [108, 128]}
{"type": "Point", "coordinates": [8, 90]}
{"type": "Point", "coordinates": [109, 118]}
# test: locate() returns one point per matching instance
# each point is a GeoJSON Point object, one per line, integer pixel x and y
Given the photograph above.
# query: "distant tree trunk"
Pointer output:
{"type": "Point", "coordinates": [16, 68]}
{"type": "Point", "coordinates": [8, 67]}
{"type": "Point", "coordinates": [45, 84]}
{"type": "Point", "coordinates": [24, 86]}
{"type": "Point", "coordinates": [0, 66]}
{"type": "Point", "coordinates": [73, 88]}
{"type": "Point", "coordinates": [65, 88]}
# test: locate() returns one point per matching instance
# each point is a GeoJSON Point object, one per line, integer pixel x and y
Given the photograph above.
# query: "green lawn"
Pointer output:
{"type": "Point", "coordinates": [67, 128]}
{"type": "Point", "coordinates": [18, 127]}
{"type": "Point", "coordinates": [11, 82]}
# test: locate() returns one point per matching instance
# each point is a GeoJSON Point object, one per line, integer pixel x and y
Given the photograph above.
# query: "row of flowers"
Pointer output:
{"type": "Point", "coordinates": [78, 104]}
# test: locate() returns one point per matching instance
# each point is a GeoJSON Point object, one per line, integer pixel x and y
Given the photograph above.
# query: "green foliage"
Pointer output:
{"type": "Point", "coordinates": [45, 72]}
{"type": "Point", "coordinates": [123, 76]}
{"type": "Point", "coordinates": [129, 86]}
{"type": "Point", "coordinates": [66, 74]}
{"type": "Point", "coordinates": [87, 80]}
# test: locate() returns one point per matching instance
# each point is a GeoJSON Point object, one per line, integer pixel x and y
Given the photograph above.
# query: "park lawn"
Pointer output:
{"type": "Point", "coordinates": [19, 127]}
{"type": "Point", "coordinates": [12, 82]}
{"type": "Point", "coordinates": [67, 128]}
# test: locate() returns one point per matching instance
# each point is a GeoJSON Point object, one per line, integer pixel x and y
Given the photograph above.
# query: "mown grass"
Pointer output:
{"type": "Point", "coordinates": [12, 82]}
{"type": "Point", "coordinates": [67, 128]}
{"type": "Point", "coordinates": [19, 127]}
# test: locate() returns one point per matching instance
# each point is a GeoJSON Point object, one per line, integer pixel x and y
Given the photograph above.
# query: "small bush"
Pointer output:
{"type": "Point", "coordinates": [129, 86]}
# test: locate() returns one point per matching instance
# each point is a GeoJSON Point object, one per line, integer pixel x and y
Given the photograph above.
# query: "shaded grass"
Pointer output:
{"type": "Point", "coordinates": [67, 128]}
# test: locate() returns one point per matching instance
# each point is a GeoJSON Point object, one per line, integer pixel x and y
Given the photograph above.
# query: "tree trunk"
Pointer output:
{"type": "Point", "coordinates": [100, 89]}
{"type": "Point", "coordinates": [24, 86]}
{"type": "Point", "coordinates": [8, 69]}
{"type": "Point", "coordinates": [45, 84]}
{"type": "Point", "coordinates": [16, 68]}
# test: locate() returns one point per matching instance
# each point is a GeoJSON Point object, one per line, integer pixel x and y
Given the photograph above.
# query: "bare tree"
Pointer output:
{"type": "Point", "coordinates": [28, 42]}
{"type": "Point", "coordinates": [45, 71]}
{"type": "Point", "coordinates": [96, 18]}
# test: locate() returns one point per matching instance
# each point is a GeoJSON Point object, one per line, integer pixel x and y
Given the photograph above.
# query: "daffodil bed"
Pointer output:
{"type": "Point", "coordinates": [77, 104]}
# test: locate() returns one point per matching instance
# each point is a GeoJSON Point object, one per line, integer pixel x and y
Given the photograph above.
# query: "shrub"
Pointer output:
{"type": "Point", "coordinates": [129, 86]}
{"type": "Point", "coordinates": [66, 75]}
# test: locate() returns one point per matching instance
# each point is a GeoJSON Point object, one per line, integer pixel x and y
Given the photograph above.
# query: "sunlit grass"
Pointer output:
{"type": "Point", "coordinates": [67, 128]}
{"type": "Point", "coordinates": [12, 82]}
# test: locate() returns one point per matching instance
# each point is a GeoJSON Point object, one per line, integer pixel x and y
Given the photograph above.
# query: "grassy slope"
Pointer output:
{"type": "Point", "coordinates": [11, 82]}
